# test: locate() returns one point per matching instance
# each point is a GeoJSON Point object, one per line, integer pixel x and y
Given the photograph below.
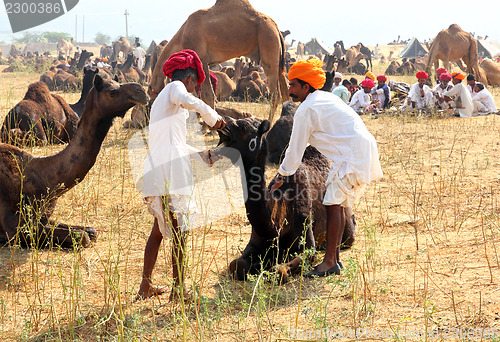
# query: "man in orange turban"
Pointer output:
{"type": "Point", "coordinates": [327, 123]}
{"type": "Point", "coordinates": [459, 97]}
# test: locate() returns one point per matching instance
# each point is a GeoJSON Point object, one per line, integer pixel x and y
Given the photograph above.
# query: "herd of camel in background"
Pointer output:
{"type": "Point", "coordinates": [31, 183]}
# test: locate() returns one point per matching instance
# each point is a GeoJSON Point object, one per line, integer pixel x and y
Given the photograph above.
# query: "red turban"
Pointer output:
{"type": "Point", "coordinates": [440, 71]}
{"type": "Point", "coordinates": [422, 74]}
{"type": "Point", "coordinates": [182, 60]}
{"type": "Point", "coordinates": [381, 78]}
{"type": "Point", "coordinates": [368, 83]}
{"type": "Point", "coordinates": [309, 71]}
{"type": "Point", "coordinates": [445, 76]}
{"type": "Point", "coordinates": [458, 76]}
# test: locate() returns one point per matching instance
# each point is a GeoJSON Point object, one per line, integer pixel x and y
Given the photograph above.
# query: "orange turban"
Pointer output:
{"type": "Point", "coordinates": [309, 71]}
{"type": "Point", "coordinates": [371, 76]}
{"type": "Point", "coordinates": [458, 76]}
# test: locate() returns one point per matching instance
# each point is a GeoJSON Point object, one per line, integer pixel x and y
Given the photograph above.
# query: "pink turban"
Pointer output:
{"type": "Point", "coordinates": [422, 74]}
{"type": "Point", "coordinates": [182, 60]}
{"type": "Point", "coordinates": [445, 76]}
{"type": "Point", "coordinates": [368, 83]}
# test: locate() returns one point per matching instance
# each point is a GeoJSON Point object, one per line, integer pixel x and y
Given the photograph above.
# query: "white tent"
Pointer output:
{"type": "Point", "coordinates": [488, 48]}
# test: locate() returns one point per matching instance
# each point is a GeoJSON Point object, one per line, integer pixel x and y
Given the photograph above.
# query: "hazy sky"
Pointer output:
{"type": "Point", "coordinates": [371, 22]}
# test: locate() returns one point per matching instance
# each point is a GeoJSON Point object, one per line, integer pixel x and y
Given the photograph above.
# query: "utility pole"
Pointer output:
{"type": "Point", "coordinates": [126, 23]}
{"type": "Point", "coordinates": [83, 24]}
{"type": "Point", "coordinates": [76, 28]}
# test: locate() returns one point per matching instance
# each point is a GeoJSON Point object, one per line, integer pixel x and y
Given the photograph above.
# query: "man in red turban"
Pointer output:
{"type": "Point", "coordinates": [382, 92]}
{"type": "Point", "coordinates": [168, 176]}
{"type": "Point", "coordinates": [420, 96]}
{"type": "Point", "coordinates": [324, 121]}
{"type": "Point", "coordinates": [443, 86]}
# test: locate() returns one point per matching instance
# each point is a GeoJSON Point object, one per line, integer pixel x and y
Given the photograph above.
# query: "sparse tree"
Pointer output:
{"type": "Point", "coordinates": [101, 38]}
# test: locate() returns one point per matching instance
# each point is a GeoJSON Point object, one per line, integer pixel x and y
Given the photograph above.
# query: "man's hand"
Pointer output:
{"type": "Point", "coordinates": [209, 157]}
{"type": "Point", "coordinates": [220, 124]}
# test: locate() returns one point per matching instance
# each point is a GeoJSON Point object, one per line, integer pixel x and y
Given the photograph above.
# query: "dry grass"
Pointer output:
{"type": "Point", "coordinates": [426, 255]}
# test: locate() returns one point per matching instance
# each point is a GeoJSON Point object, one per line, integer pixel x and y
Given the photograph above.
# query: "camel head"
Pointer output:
{"type": "Point", "coordinates": [246, 136]}
{"type": "Point", "coordinates": [114, 99]}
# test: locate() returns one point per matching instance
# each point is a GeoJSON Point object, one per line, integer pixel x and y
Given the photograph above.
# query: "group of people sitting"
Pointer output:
{"type": "Point", "coordinates": [450, 94]}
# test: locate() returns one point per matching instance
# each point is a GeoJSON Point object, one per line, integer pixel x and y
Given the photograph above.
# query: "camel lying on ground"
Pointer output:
{"type": "Point", "coordinates": [30, 186]}
{"type": "Point", "coordinates": [282, 228]}
{"type": "Point", "coordinates": [230, 28]}
{"type": "Point", "coordinates": [40, 117]}
{"type": "Point", "coordinates": [492, 71]}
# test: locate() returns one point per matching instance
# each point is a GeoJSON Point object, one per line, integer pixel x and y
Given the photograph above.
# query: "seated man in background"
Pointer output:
{"type": "Point", "coordinates": [483, 101]}
{"type": "Point", "coordinates": [459, 97]}
{"type": "Point", "coordinates": [337, 78]}
{"type": "Point", "coordinates": [420, 96]}
{"type": "Point", "coordinates": [471, 84]}
{"type": "Point", "coordinates": [342, 91]}
{"type": "Point", "coordinates": [382, 92]}
{"type": "Point", "coordinates": [361, 101]}
{"type": "Point", "coordinates": [440, 88]}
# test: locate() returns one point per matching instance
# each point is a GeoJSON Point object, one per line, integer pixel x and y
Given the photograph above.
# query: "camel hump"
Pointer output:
{"type": "Point", "coordinates": [454, 29]}
{"type": "Point", "coordinates": [37, 91]}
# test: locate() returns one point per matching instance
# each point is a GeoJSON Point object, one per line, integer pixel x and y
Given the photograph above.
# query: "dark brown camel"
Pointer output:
{"type": "Point", "coordinates": [130, 72]}
{"type": "Point", "coordinates": [30, 186]}
{"type": "Point", "coordinates": [230, 28]}
{"type": "Point", "coordinates": [87, 84]}
{"type": "Point", "coordinates": [284, 227]}
{"type": "Point", "coordinates": [368, 53]}
{"type": "Point", "coordinates": [40, 117]}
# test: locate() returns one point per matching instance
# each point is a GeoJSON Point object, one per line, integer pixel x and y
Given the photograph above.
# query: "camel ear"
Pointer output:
{"type": "Point", "coordinates": [98, 83]}
{"type": "Point", "coordinates": [115, 78]}
{"type": "Point", "coordinates": [264, 127]}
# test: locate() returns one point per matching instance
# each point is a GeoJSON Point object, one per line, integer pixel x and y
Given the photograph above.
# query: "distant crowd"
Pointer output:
{"type": "Point", "coordinates": [450, 95]}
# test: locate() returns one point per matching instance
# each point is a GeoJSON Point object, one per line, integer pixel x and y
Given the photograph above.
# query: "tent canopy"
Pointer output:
{"type": "Point", "coordinates": [315, 46]}
{"type": "Point", "coordinates": [413, 49]}
{"type": "Point", "coordinates": [488, 48]}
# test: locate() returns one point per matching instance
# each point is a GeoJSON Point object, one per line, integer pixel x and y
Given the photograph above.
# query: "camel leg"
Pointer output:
{"type": "Point", "coordinates": [207, 92]}
{"type": "Point", "coordinates": [295, 265]}
{"type": "Point", "coordinates": [273, 84]}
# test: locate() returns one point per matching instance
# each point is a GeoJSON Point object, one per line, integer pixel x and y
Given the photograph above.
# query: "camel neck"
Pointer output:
{"type": "Point", "coordinates": [71, 165]}
{"type": "Point", "coordinates": [256, 205]}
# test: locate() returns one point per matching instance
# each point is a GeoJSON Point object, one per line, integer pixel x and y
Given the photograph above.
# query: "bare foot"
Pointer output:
{"type": "Point", "coordinates": [150, 292]}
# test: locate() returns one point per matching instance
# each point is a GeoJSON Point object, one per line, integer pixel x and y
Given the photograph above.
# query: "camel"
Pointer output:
{"type": "Point", "coordinates": [130, 72]}
{"type": "Point", "coordinates": [87, 84]}
{"type": "Point", "coordinates": [390, 58]}
{"type": "Point", "coordinates": [230, 28]}
{"type": "Point", "coordinates": [157, 52]}
{"type": "Point", "coordinates": [338, 51]}
{"type": "Point", "coordinates": [492, 71]}
{"type": "Point", "coordinates": [65, 47]}
{"type": "Point", "coordinates": [300, 50]}
{"type": "Point", "coordinates": [453, 44]}
{"type": "Point", "coordinates": [355, 61]}
{"type": "Point", "coordinates": [367, 52]}
{"type": "Point", "coordinates": [30, 186]}
{"type": "Point", "coordinates": [392, 68]}
{"type": "Point", "coordinates": [279, 135]}
{"type": "Point", "coordinates": [225, 86]}
{"type": "Point", "coordinates": [106, 51]}
{"type": "Point", "coordinates": [122, 45]}
{"type": "Point", "coordinates": [40, 117]}
{"type": "Point", "coordinates": [293, 219]}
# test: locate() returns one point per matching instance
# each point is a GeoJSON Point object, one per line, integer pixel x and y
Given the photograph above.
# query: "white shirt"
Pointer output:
{"type": "Point", "coordinates": [471, 90]}
{"type": "Point", "coordinates": [415, 89]}
{"type": "Point", "coordinates": [324, 121]}
{"type": "Point", "coordinates": [486, 99]}
{"type": "Point", "coordinates": [438, 90]}
{"type": "Point", "coordinates": [168, 166]}
{"type": "Point", "coordinates": [360, 99]}
{"type": "Point", "coordinates": [140, 53]}
{"type": "Point", "coordinates": [463, 99]}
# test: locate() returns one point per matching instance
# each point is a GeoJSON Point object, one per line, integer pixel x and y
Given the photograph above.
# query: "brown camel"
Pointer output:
{"type": "Point", "coordinates": [291, 221]}
{"type": "Point", "coordinates": [392, 68]}
{"type": "Point", "coordinates": [30, 186]}
{"type": "Point", "coordinates": [300, 50]}
{"type": "Point", "coordinates": [40, 117]}
{"type": "Point", "coordinates": [122, 45]}
{"type": "Point", "coordinates": [230, 28]}
{"type": "Point", "coordinates": [225, 86]}
{"type": "Point", "coordinates": [106, 51]}
{"type": "Point", "coordinates": [492, 71]}
{"type": "Point", "coordinates": [453, 44]}
{"type": "Point", "coordinates": [157, 52]}
{"type": "Point", "coordinates": [65, 47]}
{"type": "Point", "coordinates": [130, 72]}
{"type": "Point", "coordinates": [355, 60]}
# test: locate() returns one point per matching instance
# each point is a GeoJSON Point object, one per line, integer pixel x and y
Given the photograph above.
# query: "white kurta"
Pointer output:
{"type": "Point", "coordinates": [360, 100]}
{"type": "Point", "coordinates": [463, 100]}
{"type": "Point", "coordinates": [438, 90]}
{"type": "Point", "coordinates": [167, 169]}
{"type": "Point", "coordinates": [324, 121]}
{"type": "Point", "coordinates": [483, 102]}
{"type": "Point", "coordinates": [140, 54]}
{"type": "Point", "coordinates": [416, 96]}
